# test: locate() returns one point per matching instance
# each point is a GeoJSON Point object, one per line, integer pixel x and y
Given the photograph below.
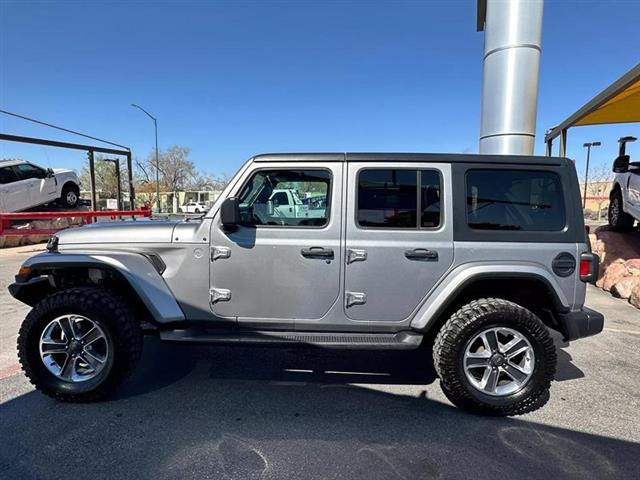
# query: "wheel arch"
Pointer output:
{"type": "Point", "coordinates": [528, 288]}
{"type": "Point", "coordinates": [137, 280]}
{"type": "Point", "coordinates": [70, 184]}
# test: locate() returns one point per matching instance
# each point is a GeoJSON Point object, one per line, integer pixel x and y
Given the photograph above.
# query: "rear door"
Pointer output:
{"type": "Point", "coordinates": [399, 238]}
{"type": "Point", "coordinates": [13, 197]}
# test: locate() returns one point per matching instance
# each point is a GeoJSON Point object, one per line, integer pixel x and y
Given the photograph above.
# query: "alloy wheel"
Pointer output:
{"type": "Point", "coordinates": [498, 361]}
{"type": "Point", "coordinates": [74, 348]}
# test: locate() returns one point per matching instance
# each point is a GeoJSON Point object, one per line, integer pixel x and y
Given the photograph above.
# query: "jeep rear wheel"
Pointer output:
{"type": "Point", "coordinates": [619, 220]}
{"type": "Point", "coordinates": [495, 357]}
{"type": "Point", "coordinates": [79, 344]}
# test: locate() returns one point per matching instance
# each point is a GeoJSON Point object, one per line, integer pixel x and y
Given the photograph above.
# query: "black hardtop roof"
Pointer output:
{"type": "Point", "coordinates": [410, 157]}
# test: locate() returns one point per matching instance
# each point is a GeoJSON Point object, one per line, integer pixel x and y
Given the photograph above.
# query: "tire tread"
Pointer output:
{"type": "Point", "coordinates": [471, 316]}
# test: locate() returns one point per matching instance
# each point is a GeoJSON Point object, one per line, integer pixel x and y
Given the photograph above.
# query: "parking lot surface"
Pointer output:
{"type": "Point", "coordinates": [260, 413]}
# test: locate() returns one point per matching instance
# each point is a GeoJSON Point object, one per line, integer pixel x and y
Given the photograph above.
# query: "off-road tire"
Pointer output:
{"type": "Point", "coordinates": [451, 341]}
{"type": "Point", "coordinates": [619, 220]}
{"type": "Point", "coordinates": [103, 307]}
{"type": "Point", "coordinates": [65, 198]}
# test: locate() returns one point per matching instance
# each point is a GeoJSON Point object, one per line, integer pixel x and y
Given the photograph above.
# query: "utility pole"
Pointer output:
{"type": "Point", "coordinates": [155, 124]}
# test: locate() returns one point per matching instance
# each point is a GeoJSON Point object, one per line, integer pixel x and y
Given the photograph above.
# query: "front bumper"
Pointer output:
{"type": "Point", "coordinates": [582, 323]}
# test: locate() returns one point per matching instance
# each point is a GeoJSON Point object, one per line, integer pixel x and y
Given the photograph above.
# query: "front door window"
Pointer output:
{"type": "Point", "coordinates": [277, 198]}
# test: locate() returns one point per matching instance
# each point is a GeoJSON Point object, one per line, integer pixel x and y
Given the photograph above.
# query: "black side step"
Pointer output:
{"type": "Point", "coordinates": [370, 341]}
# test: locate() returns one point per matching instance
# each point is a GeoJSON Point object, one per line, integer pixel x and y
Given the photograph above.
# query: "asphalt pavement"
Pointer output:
{"type": "Point", "coordinates": [268, 413]}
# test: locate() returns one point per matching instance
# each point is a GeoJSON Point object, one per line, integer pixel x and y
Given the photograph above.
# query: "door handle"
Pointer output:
{"type": "Point", "coordinates": [317, 252]}
{"type": "Point", "coordinates": [421, 254]}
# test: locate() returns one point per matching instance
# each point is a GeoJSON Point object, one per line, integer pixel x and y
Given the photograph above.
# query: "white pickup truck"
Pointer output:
{"type": "Point", "coordinates": [25, 185]}
{"type": "Point", "coordinates": [624, 199]}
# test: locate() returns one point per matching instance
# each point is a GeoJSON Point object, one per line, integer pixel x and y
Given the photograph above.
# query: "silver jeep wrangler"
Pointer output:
{"type": "Point", "coordinates": [474, 257]}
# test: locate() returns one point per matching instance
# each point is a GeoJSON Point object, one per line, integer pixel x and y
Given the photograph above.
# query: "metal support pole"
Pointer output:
{"type": "Point", "coordinates": [549, 147]}
{"type": "Point", "coordinates": [118, 186]}
{"type": "Point", "coordinates": [92, 177]}
{"type": "Point", "coordinates": [132, 193]}
{"type": "Point", "coordinates": [563, 144]}
{"type": "Point", "coordinates": [586, 178]}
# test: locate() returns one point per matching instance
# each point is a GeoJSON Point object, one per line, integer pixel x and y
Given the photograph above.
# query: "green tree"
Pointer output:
{"type": "Point", "coordinates": [105, 175]}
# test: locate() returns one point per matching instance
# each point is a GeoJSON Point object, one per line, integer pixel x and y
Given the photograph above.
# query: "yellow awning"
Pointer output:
{"type": "Point", "coordinates": [623, 108]}
{"type": "Point", "coordinates": [618, 103]}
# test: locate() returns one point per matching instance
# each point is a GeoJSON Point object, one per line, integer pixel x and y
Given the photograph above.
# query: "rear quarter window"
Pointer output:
{"type": "Point", "coordinates": [516, 200]}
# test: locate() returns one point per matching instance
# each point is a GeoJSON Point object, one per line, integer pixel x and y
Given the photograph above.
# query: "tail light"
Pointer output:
{"type": "Point", "coordinates": [589, 266]}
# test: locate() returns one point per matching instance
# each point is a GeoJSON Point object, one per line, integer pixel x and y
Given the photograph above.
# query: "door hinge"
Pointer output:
{"type": "Point", "coordinates": [220, 252]}
{"type": "Point", "coordinates": [219, 295]}
{"type": "Point", "coordinates": [355, 255]}
{"type": "Point", "coordinates": [355, 298]}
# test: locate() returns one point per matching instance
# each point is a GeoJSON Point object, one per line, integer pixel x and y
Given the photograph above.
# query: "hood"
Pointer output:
{"type": "Point", "coordinates": [131, 232]}
{"type": "Point", "coordinates": [62, 170]}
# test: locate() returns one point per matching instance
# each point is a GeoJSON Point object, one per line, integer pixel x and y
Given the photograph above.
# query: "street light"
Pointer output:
{"type": "Point", "coordinates": [586, 171]}
{"type": "Point", "coordinates": [155, 123]}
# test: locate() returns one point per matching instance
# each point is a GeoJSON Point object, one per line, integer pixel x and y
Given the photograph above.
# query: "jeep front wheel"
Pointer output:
{"type": "Point", "coordinates": [619, 220]}
{"type": "Point", "coordinates": [79, 344]}
{"type": "Point", "coordinates": [495, 357]}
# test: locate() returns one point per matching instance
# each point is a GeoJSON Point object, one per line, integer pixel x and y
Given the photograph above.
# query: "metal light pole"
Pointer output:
{"type": "Point", "coordinates": [155, 124]}
{"type": "Point", "coordinates": [586, 171]}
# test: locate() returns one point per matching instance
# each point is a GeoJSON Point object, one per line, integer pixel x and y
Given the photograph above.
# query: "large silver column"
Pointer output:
{"type": "Point", "coordinates": [513, 31]}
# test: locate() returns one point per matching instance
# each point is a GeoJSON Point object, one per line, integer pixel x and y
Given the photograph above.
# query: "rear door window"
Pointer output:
{"type": "Point", "coordinates": [518, 200]}
{"type": "Point", "coordinates": [399, 198]}
{"type": "Point", "coordinates": [387, 198]}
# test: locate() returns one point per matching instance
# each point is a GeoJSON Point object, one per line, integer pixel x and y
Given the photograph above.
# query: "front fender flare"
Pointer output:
{"type": "Point", "coordinates": [134, 268]}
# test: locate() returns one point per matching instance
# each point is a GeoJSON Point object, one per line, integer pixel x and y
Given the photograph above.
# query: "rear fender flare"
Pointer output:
{"type": "Point", "coordinates": [447, 290]}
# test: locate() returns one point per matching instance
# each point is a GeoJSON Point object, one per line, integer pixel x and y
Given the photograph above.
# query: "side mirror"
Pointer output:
{"type": "Point", "coordinates": [50, 173]}
{"type": "Point", "coordinates": [230, 212]}
{"type": "Point", "coordinates": [621, 164]}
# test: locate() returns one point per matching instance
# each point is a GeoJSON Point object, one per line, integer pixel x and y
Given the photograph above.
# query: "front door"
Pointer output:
{"type": "Point", "coordinates": [399, 238]}
{"type": "Point", "coordinates": [42, 187]}
{"type": "Point", "coordinates": [279, 265]}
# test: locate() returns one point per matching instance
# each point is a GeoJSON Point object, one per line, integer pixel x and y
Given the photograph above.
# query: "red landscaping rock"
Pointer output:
{"type": "Point", "coordinates": [626, 286]}
{"type": "Point", "coordinates": [634, 299]}
{"type": "Point", "coordinates": [613, 274]}
{"type": "Point", "coordinates": [633, 266]}
{"type": "Point", "coordinates": [615, 246]}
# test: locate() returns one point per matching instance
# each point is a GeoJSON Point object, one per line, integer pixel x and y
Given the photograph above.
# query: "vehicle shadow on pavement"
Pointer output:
{"type": "Point", "coordinates": [268, 413]}
{"type": "Point", "coordinates": [566, 369]}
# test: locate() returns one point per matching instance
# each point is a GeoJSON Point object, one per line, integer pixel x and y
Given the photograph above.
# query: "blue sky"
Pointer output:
{"type": "Point", "coordinates": [231, 79]}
